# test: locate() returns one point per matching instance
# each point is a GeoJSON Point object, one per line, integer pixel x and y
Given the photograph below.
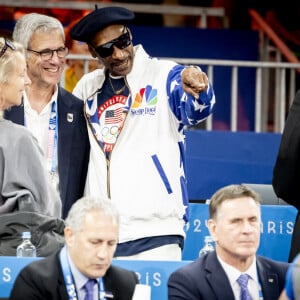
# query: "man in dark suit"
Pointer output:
{"type": "Point", "coordinates": [234, 225]}
{"type": "Point", "coordinates": [286, 173]}
{"type": "Point", "coordinates": [53, 115]}
{"type": "Point", "coordinates": [91, 236]}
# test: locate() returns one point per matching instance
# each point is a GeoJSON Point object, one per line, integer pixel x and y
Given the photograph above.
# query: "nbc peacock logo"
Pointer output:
{"type": "Point", "coordinates": [148, 94]}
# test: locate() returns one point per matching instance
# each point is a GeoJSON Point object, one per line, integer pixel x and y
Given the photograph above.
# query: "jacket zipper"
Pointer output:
{"type": "Point", "coordinates": [107, 158]}
{"type": "Point", "coordinates": [108, 175]}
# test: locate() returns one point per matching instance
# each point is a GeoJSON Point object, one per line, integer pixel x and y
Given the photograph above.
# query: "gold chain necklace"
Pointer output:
{"type": "Point", "coordinates": [119, 91]}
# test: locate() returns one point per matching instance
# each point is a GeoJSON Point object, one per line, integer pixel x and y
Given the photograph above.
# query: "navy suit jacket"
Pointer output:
{"type": "Point", "coordinates": [43, 280]}
{"type": "Point", "coordinates": [206, 279]}
{"type": "Point", "coordinates": [73, 146]}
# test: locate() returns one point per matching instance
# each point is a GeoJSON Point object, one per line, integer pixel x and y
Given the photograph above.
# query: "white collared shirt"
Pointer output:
{"type": "Point", "coordinates": [233, 274]}
{"type": "Point", "coordinates": [38, 123]}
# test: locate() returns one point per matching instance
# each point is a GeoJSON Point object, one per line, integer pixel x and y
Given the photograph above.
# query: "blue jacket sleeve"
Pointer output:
{"type": "Point", "coordinates": [187, 109]}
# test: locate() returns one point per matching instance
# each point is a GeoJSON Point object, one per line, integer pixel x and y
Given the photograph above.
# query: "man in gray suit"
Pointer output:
{"type": "Point", "coordinates": [83, 267]}
{"type": "Point", "coordinates": [234, 224]}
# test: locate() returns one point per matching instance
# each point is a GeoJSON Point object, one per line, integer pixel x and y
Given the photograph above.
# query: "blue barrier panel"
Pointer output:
{"type": "Point", "coordinates": [9, 270]}
{"type": "Point", "coordinates": [276, 230]}
{"type": "Point", "coordinates": [153, 273]}
{"type": "Point", "coordinates": [218, 158]}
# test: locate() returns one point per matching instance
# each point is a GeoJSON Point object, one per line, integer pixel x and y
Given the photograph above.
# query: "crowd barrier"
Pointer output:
{"type": "Point", "coordinates": [154, 273]}
{"type": "Point", "coordinates": [276, 229]}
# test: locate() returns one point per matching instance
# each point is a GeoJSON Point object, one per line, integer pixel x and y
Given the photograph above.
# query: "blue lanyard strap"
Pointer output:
{"type": "Point", "coordinates": [51, 154]}
{"type": "Point", "coordinates": [70, 286]}
{"type": "Point", "coordinates": [52, 138]}
{"type": "Point", "coordinates": [260, 294]}
{"type": "Point", "coordinates": [69, 281]}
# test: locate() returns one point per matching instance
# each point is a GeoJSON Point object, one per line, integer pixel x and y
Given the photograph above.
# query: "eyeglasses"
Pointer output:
{"type": "Point", "coordinates": [7, 44]}
{"type": "Point", "coordinates": [107, 49]}
{"type": "Point", "coordinates": [47, 54]}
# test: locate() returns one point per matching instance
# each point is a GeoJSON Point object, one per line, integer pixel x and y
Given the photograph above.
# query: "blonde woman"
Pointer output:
{"type": "Point", "coordinates": [24, 184]}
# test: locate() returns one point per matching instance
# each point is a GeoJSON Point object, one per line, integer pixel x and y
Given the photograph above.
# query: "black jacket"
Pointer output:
{"type": "Point", "coordinates": [286, 174]}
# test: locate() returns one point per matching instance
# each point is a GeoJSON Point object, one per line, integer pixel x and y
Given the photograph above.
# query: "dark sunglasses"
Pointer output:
{"type": "Point", "coordinates": [107, 49]}
{"type": "Point", "coordinates": [7, 44]}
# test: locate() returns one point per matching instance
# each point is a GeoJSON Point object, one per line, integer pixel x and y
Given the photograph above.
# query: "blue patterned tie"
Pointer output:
{"type": "Point", "coordinates": [89, 289]}
{"type": "Point", "coordinates": [243, 281]}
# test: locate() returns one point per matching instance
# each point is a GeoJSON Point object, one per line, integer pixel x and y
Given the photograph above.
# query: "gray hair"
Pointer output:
{"type": "Point", "coordinates": [27, 25]}
{"type": "Point", "coordinates": [8, 61]}
{"type": "Point", "coordinates": [81, 207]}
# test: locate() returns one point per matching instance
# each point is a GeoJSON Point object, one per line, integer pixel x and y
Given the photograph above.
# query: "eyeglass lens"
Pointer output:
{"type": "Point", "coordinates": [7, 44]}
{"type": "Point", "coordinates": [107, 49]}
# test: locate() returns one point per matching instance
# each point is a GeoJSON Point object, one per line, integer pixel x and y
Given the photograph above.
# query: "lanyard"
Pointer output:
{"type": "Point", "coordinates": [260, 294]}
{"type": "Point", "coordinates": [70, 286]}
{"type": "Point", "coordinates": [52, 139]}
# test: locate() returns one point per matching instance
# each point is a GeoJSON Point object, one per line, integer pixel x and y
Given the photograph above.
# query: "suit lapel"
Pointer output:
{"type": "Point", "coordinates": [217, 278]}
{"type": "Point", "coordinates": [108, 283]}
{"type": "Point", "coordinates": [62, 291]}
{"type": "Point", "coordinates": [66, 125]}
{"type": "Point", "coordinates": [61, 287]}
{"type": "Point", "coordinates": [268, 280]}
